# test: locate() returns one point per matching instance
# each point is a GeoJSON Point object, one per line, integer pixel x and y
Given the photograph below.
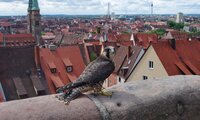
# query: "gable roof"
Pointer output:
{"type": "Point", "coordinates": [185, 59]}
{"type": "Point", "coordinates": [179, 35]}
{"type": "Point", "coordinates": [132, 61]}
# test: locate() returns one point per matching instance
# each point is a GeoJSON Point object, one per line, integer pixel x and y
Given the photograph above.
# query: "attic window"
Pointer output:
{"type": "Point", "coordinates": [52, 67]}
{"type": "Point", "coordinates": [69, 69]}
{"type": "Point", "coordinates": [151, 65]}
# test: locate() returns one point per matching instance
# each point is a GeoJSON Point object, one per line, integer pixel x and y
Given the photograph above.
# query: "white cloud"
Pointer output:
{"type": "Point", "coordinates": [19, 7]}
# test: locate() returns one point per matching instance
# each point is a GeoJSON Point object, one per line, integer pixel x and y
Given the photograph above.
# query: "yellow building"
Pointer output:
{"type": "Point", "coordinates": [168, 58]}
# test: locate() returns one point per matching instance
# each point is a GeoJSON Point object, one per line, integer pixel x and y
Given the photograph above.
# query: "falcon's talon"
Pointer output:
{"type": "Point", "coordinates": [60, 90]}
{"type": "Point", "coordinates": [106, 93]}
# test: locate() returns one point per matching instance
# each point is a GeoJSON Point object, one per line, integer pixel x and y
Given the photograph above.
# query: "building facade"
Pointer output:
{"type": "Point", "coordinates": [180, 18]}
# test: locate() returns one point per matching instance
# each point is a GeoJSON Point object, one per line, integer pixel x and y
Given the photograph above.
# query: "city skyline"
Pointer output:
{"type": "Point", "coordinates": [93, 7]}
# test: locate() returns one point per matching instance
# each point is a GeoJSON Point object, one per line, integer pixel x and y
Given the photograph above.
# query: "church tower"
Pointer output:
{"type": "Point", "coordinates": [34, 17]}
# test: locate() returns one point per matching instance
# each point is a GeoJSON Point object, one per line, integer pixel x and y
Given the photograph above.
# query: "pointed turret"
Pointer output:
{"type": "Point", "coordinates": [33, 5]}
{"type": "Point", "coordinates": [29, 5]}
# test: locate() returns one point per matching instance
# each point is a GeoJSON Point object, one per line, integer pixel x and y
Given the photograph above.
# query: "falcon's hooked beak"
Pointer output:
{"type": "Point", "coordinates": [109, 52]}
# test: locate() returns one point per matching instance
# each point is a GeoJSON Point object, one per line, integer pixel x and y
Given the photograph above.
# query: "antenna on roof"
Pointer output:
{"type": "Point", "coordinates": [152, 7]}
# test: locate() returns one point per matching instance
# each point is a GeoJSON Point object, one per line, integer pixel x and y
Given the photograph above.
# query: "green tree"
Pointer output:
{"type": "Point", "coordinates": [159, 32]}
{"type": "Point", "coordinates": [174, 25]}
{"type": "Point", "coordinates": [93, 56]}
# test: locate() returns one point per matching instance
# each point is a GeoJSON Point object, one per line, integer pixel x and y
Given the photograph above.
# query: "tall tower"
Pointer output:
{"type": "Point", "coordinates": [180, 18]}
{"type": "Point", "coordinates": [34, 17]}
{"type": "Point", "coordinates": [108, 14]}
{"type": "Point", "coordinates": [152, 8]}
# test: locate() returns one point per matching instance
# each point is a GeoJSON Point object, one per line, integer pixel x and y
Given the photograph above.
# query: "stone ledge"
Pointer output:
{"type": "Point", "coordinates": [170, 98]}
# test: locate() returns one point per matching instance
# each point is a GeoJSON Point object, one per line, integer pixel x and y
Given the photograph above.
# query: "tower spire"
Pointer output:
{"type": "Point", "coordinates": [33, 5]}
{"type": "Point", "coordinates": [29, 5]}
{"type": "Point", "coordinates": [152, 8]}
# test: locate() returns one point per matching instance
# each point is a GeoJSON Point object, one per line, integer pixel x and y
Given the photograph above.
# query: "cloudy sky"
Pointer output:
{"type": "Point", "coordinates": [79, 7]}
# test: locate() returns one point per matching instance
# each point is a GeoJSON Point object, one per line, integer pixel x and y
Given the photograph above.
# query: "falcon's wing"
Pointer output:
{"type": "Point", "coordinates": [96, 71]}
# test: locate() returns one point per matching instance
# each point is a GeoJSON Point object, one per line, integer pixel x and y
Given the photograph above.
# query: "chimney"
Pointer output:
{"type": "Point", "coordinates": [173, 43]}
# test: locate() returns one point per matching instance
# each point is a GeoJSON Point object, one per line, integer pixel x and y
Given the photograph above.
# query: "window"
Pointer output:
{"type": "Point", "coordinates": [150, 64]}
{"type": "Point", "coordinates": [53, 70]}
{"type": "Point", "coordinates": [145, 77]}
{"type": "Point", "coordinates": [37, 23]}
{"type": "Point", "coordinates": [119, 80]}
{"type": "Point", "coordinates": [69, 69]}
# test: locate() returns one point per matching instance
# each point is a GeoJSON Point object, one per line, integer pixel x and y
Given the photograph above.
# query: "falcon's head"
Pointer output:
{"type": "Point", "coordinates": [109, 52]}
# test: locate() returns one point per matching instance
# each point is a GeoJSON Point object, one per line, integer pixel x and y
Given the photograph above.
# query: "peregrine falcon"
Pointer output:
{"type": "Point", "coordinates": [92, 77]}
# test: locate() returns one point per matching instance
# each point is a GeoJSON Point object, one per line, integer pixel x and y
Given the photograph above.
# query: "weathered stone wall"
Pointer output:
{"type": "Point", "coordinates": [173, 98]}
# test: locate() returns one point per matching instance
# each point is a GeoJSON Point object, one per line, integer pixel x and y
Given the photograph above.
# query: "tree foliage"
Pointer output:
{"type": "Point", "coordinates": [159, 32]}
{"type": "Point", "coordinates": [93, 56]}
{"type": "Point", "coordinates": [174, 25]}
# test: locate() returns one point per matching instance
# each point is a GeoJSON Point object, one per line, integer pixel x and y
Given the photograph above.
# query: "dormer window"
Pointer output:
{"type": "Point", "coordinates": [124, 70]}
{"type": "Point", "coordinates": [52, 67]}
{"type": "Point", "coordinates": [69, 69]}
{"type": "Point", "coordinates": [68, 65]}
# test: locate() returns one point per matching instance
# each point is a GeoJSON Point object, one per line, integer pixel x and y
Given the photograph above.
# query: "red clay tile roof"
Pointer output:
{"type": "Point", "coordinates": [120, 57]}
{"type": "Point", "coordinates": [192, 67]}
{"type": "Point", "coordinates": [185, 51]}
{"type": "Point", "coordinates": [183, 68]}
{"type": "Point", "coordinates": [72, 53]}
{"type": "Point", "coordinates": [67, 62]}
{"type": "Point", "coordinates": [51, 65]}
{"type": "Point", "coordinates": [1, 97]}
{"type": "Point", "coordinates": [5, 24]}
{"type": "Point", "coordinates": [123, 37]}
{"type": "Point", "coordinates": [179, 35]}
{"type": "Point", "coordinates": [17, 39]}
{"type": "Point", "coordinates": [56, 81]}
{"type": "Point", "coordinates": [145, 39]}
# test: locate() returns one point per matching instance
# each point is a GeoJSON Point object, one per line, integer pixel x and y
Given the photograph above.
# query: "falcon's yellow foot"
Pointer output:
{"type": "Point", "coordinates": [106, 93]}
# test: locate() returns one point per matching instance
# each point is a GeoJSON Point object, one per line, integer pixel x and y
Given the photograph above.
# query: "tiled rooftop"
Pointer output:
{"type": "Point", "coordinates": [58, 61]}
{"type": "Point", "coordinates": [185, 59]}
